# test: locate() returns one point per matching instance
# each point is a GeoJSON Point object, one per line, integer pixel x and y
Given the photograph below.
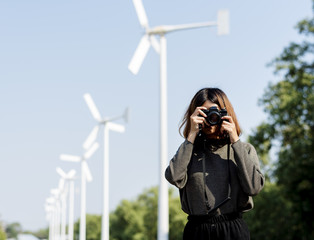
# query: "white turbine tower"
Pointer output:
{"type": "Point", "coordinates": [149, 39]}
{"type": "Point", "coordinates": [108, 125]}
{"type": "Point", "coordinates": [62, 195]}
{"type": "Point", "coordinates": [85, 176]}
{"type": "Point", "coordinates": [56, 195]}
{"type": "Point", "coordinates": [49, 215]}
{"type": "Point", "coordinates": [50, 208]}
{"type": "Point", "coordinates": [69, 177]}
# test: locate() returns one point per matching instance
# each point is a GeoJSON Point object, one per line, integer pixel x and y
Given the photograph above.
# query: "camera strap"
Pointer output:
{"type": "Point", "coordinates": [209, 209]}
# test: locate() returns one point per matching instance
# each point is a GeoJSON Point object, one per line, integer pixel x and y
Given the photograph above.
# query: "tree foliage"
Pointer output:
{"type": "Point", "coordinates": [3, 236]}
{"type": "Point", "coordinates": [137, 220]}
{"type": "Point", "coordinates": [13, 229]}
{"type": "Point", "coordinates": [271, 217]}
{"type": "Point", "coordinates": [93, 227]}
{"type": "Point", "coordinates": [289, 104]}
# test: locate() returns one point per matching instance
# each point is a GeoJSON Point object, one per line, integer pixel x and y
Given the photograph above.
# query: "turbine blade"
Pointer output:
{"type": "Point", "coordinates": [126, 115]}
{"type": "Point", "coordinates": [179, 27]}
{"type": "Point", "coordinates": [87, 172]}
{"type": "Point", "coordinates": [141, 14]}
{"type": "Point", "coordinates": [154, 42]}
{"type": "Point", "coordinates": [116, 127]}
{"type": "Point", "coordinates": [91, 151]}
{"type": "Point", "coordinates": [71, 174]}
{"type": "Point", "coordinates": [55, 191]}
{"type": "Point", "coordinates": [91, 138]}
{"type": "Point", "coordinates": [50, 200]}
{"type": "Point", "coordinates": [70, 158]}
{"type": "Point", "coordinates": [92, 107]}
{"type": "Point", "coordinates": [61, 172]}
{"type": "Point", "coordinates": [223, 22]}
{"type": "Point", "coordinates": [139, 55]}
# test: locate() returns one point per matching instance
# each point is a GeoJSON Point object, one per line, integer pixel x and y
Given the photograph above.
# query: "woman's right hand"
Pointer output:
{"type": "Point", "coordinates": [196, 119]}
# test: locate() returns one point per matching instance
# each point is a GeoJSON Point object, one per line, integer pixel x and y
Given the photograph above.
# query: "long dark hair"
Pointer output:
{"type": "Point", "coordinates": [214, 95]}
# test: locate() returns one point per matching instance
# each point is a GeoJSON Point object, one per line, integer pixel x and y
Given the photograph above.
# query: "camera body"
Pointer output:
{"type": "Point", "coordinates": [214, 115]}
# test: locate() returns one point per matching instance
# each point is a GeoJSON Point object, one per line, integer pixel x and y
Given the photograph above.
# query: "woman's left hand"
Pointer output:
{"type": "Point", "coordinates": [229, 127]}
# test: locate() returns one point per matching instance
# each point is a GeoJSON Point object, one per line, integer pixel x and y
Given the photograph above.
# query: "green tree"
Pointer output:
{"type": "Point", "coordinates": [42, 233]}
{"type": "Point", "coordinates": [93, 227]}
{"type": "Point", "coordinates": [13, 229]}
{"type": "Point", "coordinates": [3, 236]}
{"type": "Point", "coordinates": [271, 217]}
{"type": "Point", "coordinates": [289, 104]}
{"type": "Point", "coordinates": [137, 220]}
{"type": "Point", "coordinates": [127, 222]}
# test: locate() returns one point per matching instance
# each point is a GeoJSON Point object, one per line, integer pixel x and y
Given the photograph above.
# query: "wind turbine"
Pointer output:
{"type": "Point", "coordinates": [108, 125]}
{"type": "Point", "coordinates": [50, 209]}
{"type": "Point", "coordinates": [70, 176]}
{"type": "Point", "coordinates": [140, 53]}
{"type": "Point", "coordinates": [85, 176]}
{"type": "Point", "coordinates": [62, 195]}
{"type": "Point", "coordinates": [56, 195]}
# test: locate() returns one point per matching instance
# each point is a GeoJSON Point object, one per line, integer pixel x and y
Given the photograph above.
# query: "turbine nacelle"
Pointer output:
{"type": "Point", "coordinates": [82, 159]}
{"type": "Point", "coordinates": [66, 176]}
{"type": "Point", "coordinates": [101, 121]}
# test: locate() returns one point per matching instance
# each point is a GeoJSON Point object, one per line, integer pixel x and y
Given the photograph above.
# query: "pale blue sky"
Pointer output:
{"type": "Point", "coordinates": [52, 52]}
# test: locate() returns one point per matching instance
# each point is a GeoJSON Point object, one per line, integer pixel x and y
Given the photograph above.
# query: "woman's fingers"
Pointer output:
{"type": "Point", "coordinates": [228, 118]}
{"type": "Point", "coordinates": [227, 125]}
{"type": "Point", "coordinates": [198, 111]}
{"type": "Point", "coordinates": [196, 121]}
{"type": "Point", "coordinates": [198, 118]}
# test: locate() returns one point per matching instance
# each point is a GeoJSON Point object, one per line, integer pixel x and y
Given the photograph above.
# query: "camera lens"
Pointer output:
{"type": "Point", "coordinates": [213, 118]}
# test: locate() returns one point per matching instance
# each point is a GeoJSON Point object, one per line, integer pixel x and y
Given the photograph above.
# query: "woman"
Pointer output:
{"type": "Point", "coordinates": [216, 173]}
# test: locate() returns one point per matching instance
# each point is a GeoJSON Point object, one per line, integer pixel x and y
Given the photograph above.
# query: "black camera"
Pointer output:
{"type": "Point", "coordinates": [214, 115]}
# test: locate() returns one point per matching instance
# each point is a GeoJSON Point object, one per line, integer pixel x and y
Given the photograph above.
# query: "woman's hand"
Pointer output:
{"type": "Point", "coordinates": [197, 118]}
{"type": "Point", "coordinates": [229, 127]}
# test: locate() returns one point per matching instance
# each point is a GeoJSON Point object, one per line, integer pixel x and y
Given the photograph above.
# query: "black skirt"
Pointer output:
{"type": "Point", "coordinates": [223, 227]}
